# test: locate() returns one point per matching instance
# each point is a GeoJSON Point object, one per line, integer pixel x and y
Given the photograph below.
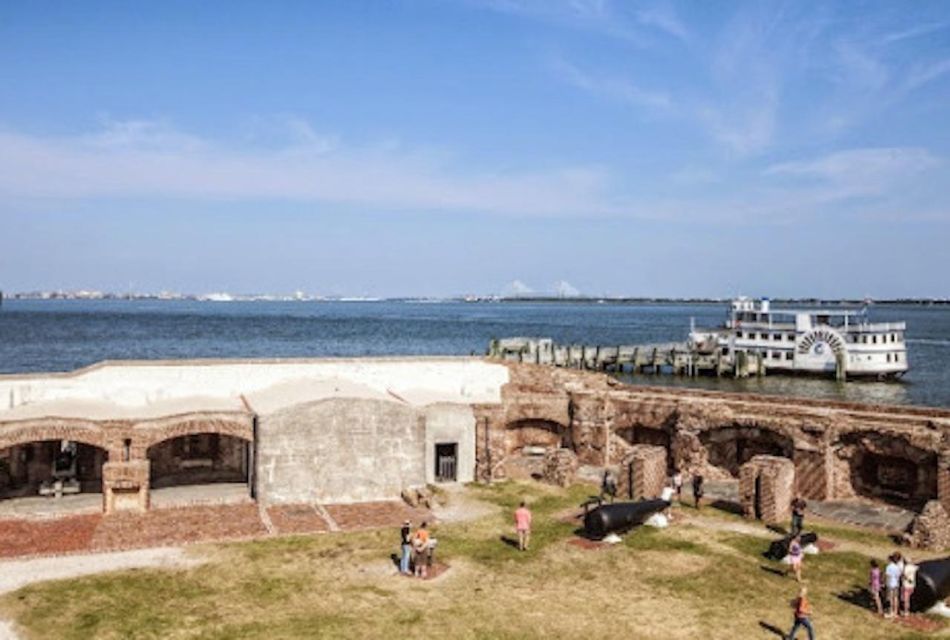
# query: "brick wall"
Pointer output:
{"type": "Point", "coordinates": [642, 473]}
{"type": "Point", "coordinates": [813, 474]}
{"type": "Point", "coordinates": [776, 480]}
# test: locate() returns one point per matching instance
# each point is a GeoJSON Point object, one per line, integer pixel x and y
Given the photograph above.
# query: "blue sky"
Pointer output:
{"type": "Point", "coordinates": [438, 148]}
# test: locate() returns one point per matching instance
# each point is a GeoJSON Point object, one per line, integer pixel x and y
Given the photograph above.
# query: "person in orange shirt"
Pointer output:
{"type": "Point", "coordinates": [802, 615]}
{"type": "Point", "coordinates": [523, 526]}
{"type": "Point", "coordinates": [420, 549]}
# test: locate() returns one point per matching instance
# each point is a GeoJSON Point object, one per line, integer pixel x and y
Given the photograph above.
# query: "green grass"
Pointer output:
{"type": "Point", "coordinates": [679, 583]}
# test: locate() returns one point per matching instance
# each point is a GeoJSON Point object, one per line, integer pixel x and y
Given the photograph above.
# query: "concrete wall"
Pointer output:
{"type": "Point", "coordinates": [419, 381]}
{"type": "Point", "coordinates": [445, 424]}
{"type": "Point", "coordinates": [339, 450]}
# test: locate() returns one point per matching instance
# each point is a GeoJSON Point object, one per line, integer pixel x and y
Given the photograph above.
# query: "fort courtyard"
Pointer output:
{"type": "Point", "coordinates": [277, 489]}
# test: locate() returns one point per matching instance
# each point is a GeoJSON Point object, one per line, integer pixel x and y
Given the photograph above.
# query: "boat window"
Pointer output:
{"type": "Point", "coordinates": [776, 355]}
{"type": "Point", "coordinates": [776, 336]}
{"type": "Point", "coordinates": [873, 339]}
{"type": "Point", "coordinates": [764, 336]}
{"type": "Point", "coordinates": [789, 355]}
{"type": "Point", "coordinates": [888, 357]}
{"type": "Point", "coordinates": [738, 334]}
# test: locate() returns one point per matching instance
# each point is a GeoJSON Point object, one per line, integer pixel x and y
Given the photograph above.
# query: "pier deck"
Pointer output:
{"type": "Point", "coordinates": [665, 357]}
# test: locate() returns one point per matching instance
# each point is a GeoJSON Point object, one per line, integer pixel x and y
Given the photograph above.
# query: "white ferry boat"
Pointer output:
{"type": "Point", "coordinates": [835, 342]}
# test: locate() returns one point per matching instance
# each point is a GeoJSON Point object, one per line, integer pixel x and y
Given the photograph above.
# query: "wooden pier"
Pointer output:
{"type": "Point", "coordinates": [669, 357]}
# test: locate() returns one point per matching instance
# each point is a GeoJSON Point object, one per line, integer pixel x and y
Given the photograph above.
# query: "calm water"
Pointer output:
{"type": "Point", "coordinates": [60, 335]}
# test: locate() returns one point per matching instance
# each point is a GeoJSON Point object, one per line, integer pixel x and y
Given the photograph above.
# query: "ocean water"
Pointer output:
{"type": "Point", "coordinates": [61, 335]}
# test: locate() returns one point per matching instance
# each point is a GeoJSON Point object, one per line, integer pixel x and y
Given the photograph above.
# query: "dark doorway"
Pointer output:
{"type": "Point", "coordinates": [446, 462]}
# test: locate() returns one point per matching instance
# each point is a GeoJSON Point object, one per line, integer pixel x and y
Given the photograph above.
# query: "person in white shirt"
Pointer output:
{"type": "Point", "coordinates": [667, 496]}
{"type": "Point", "coordinates": [892, 583]}
{"type": "Point", "coordinates": [910, 583]}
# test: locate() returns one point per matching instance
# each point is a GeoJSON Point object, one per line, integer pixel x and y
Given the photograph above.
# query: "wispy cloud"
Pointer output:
{"type": "Point", "coordinates": [597, 16]}
{"type": "Point", "coordinates": [149, 159]}
{"type": "Point", "coordinates": [924, 74]}
{"type": "Point", "coordinates": [613, 87]}
{"type": "Point", "coordinates": [915, 31]}
{"type": "Point", "coordinates": [664, 18]}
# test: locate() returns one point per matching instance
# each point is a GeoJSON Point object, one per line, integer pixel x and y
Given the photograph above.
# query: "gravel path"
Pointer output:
{"type": "Point", "coordinates": [18, 573]}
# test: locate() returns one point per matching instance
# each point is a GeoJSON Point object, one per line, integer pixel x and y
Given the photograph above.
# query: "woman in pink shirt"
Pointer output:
{"type": "Point", "coordinates": [874, 585]}
{"type": "Point", "coordinates": [523, 526]}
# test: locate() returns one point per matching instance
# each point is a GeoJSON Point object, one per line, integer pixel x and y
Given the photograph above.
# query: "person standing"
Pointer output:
{"type": "Point", "coordinates": [874, 586]}
{"type": "Point", "coordinates": [678, 484]}
{"type": "Point", "coordinates": [802, 615]}
{"type": "Point", "coordinates": [523, 526]}
{"type": "Point", "coordinates": [796, 553]}
{"type": "Point", "coordinates": [892, 583]}
{"type": "Point", "coordinates": [608, 486]}
{"type": "Point", "coordinates": [798, 514]}
{"type": "Point", "coordinates": [697, 489]}
{"type": "Point", "coordinates": [405, 535]}
{"type": "Point", "coordinates": [420, 546]}
{"type": "Point", "coordinates": [909, 576]}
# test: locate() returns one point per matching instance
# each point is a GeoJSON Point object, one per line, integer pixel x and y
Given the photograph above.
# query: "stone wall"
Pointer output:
{"type": "Point", "coordinates": [766, 488]}
{"type": "Point", "coordinates": [340, 450]}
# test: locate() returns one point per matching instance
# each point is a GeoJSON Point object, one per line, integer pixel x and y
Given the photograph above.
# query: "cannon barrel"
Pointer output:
{"type": "Point", "coordinates": [608, 518]}
{"type": "Point", "coordinates": [933, 584]}
{"type": "Point", "coordinates": [779, 548]}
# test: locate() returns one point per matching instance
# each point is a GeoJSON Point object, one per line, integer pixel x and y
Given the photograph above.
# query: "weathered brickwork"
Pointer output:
{"type": "Point", "coordinates": [642, 473]}
{"type": "Point", "coordinates": [837, 450]}
{"type": "Point", "coordinates": [766, 488]}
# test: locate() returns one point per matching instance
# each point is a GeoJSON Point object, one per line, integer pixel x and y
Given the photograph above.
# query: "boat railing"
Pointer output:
{"type": "Point", "coordinates": [877, 327]}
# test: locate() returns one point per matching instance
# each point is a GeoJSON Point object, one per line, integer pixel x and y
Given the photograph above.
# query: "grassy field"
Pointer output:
{"type": "Point", "coordinates": [704, 577]}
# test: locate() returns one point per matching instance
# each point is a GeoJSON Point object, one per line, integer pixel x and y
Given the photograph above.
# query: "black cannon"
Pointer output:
{"type": "Point", "coordinates": [619, 516]}
{"type": "Point", "coordinates": [779, 548]}
{"type": "Point", "coordinates": [933, 584]}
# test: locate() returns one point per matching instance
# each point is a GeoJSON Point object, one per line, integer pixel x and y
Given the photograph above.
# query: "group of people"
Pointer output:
{"type": "Point", "coordinates": [416, 547]}
{"type": "Point", "coordinates": [899, 581]}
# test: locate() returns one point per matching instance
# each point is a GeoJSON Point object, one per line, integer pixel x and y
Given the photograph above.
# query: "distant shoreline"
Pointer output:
{"type": "Point", "coordinates": [632, 300]}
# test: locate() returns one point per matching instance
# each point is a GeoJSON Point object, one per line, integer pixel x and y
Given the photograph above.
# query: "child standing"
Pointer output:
{"type": "Point", "coordinates": [795, 556]}
{"type": "Point", "coordinates": [874, 586]}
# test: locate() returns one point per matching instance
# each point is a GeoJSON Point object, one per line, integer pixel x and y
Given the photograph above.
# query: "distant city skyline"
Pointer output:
{"type": "Point", "coordinates": [424, 148]}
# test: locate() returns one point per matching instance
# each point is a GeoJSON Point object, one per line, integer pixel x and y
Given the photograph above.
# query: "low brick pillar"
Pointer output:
{"type": "Point", "coordinates": [943, 482]}
{"type": "Point", "coordinates": [930, 528]}
{"type": "Point", "coordinates": [560, 467]}
{"type": "Point", "coordinates": [775, 477]}
{"type": "Point", "coordinates": [125, 486]}
{"type": "Point", "coordinates": [642, 473]}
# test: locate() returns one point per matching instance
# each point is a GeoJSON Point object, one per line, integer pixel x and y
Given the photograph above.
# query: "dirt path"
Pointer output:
{"type": "Point", "coordinates": [19, 573]}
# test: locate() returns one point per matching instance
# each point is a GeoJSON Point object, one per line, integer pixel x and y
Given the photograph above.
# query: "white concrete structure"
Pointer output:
{"type": "Point", "coordinates": [325, 430]}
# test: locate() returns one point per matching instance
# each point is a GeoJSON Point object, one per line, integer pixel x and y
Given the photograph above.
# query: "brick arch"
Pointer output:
{"type": "Point", "coordinates": [542, 432]}
{"type": "Point", "coordinates": [88, 433]}
{"type": "Point", "coordinates": [885, 466]}
{"type": "Point", "coordinates": [729, 446]}
{"type": "Point", "coordinates": [149, 434]}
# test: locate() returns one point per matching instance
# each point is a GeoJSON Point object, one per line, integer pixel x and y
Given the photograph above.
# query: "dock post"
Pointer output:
{"type": "Point", "coordinates": [841, 367]}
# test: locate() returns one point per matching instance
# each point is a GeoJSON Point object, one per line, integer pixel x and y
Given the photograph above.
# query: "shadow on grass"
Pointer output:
{"type": "Point", "coordinates": [508, 540]}
{"type": "Point", "coordinates": [395, 558]}
{"type": "Point", "coordinates": [857, 595]}
{"type": "Point", "coordinates": [774, 528]}
{"type": "Point", "coordinates": [728, 506]}
{"type": "Point", "coordinates": [771, 628]}
{"type": "Point", "coordinates": [772, 570]}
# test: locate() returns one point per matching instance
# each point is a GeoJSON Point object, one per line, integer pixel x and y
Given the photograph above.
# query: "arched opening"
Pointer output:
{"type": "Point", "coordinates": [638, 434]}
{"type": "Point", "coordinates": [217, 462]}
{"type": "Point", "coordinates": [51, 469]}
{"type": "Point", "coordinates": [730, 447]}
{"type": "Point", "coordinates": [527, 442]}
{"type": "Point", "coordinates": [890, 469]}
